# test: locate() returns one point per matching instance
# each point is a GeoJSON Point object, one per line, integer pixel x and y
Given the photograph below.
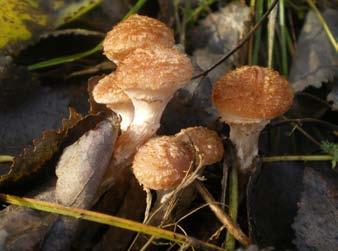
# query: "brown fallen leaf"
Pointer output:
{"type": "Point", "coordinates": [43, 149]}
{"type": "Point", "coordinates": [316, 60]}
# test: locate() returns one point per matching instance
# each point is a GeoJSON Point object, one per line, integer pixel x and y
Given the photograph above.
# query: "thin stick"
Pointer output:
{"type": "Point", "coordinates": [304, 120]}
{"type": "Point", "coordinates": [106, 219]}
{"type": "Point", "coordinates": [297, 158]}
{"type": "Point", "coordinates": [219, 213]}
{"type": "Point", "coordinates": [295, 125]}
{"type": "Point", "coordinates": [6, 158]}
{"type": "Point", "coordinates": [240, 44]}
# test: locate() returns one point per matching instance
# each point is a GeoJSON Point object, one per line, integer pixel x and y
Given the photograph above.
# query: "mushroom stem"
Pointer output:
{"type": "Point", "coordinates": [245, 138]}
{"type": "Point", "coordinates": [144, 125]}
{"type": "Point", "coordinates": [126, 112]}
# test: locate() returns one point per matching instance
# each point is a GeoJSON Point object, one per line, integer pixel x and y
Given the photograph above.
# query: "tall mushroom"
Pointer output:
{"type": "Point", "coordinates": [149, 77]}
{"type": "Point", "coordinates": [136, 32]}
{"type": "Point", "coordinates": [107, 92]}
{"type": "Point", "coordinates": [246, 99]}
{"type": "Point", "coordinates": [163, 162]}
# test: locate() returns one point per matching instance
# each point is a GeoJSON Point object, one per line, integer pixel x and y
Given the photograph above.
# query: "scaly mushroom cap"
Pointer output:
{"type": "Point", "coordinates": [108, 92]}
{"type": "Point", "coordinates": [136, 32]}
{"type": "Point", "coordinates": [206, 142]}
{"type": "Point", "coordinates": [162, 163]}
{"type": "Point", "coordinates": [251, 94]}
{"type": "Point", "coordinates": [154, 69]}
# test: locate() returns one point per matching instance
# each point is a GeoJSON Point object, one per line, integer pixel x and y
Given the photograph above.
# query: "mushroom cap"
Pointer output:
{"type": "Point", "coordinates": [153, 69]}
{"type": "Point", "coordinates": [162, 163]}
{"type": "Point", "coordinates": [108, 92]}
{"type": "Point", "coordinates": [206, 142]}
{"type": "Point", "coordinates": [136, 32]}
{"type": "Point", "coordinates": [250, 94]}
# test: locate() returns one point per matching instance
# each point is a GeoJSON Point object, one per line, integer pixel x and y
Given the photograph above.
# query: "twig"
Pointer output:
{"type": "Point", "coordinates": [106, 219]}
{"type": "Point", "coordinates": [233, 206]}
{"type": "Point", "coordinates": [303, 132]}
{"type": "Point", "coordinates": [225, 219]}
{"type": "Point", "coordinates": [297, 158]}
{"type": "Point", "coordinates": [304, 120]}
{"type": "Point", "coordinates": [6, 158]}
{"type": "Point", "coordinates": [240, 44]}
{"type": "Point", "coordinates": [309, 95]}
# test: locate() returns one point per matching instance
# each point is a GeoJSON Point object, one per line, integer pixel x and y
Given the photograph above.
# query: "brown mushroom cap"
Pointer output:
{"type": "Point", "coordinates": [206, 142]}
{"type": "Point", "coordinates": [136, 32]}
{"type": "Point", "coordinates": [108, 92]}
{"type": "Point", "coordinates": [154, 69]}
{"type": "Point", "coordinates": [162, 163]}
{"type": "Point", "coordinates": [251, 93]}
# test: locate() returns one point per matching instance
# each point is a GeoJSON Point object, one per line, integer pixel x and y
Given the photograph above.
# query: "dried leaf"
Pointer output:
{"type": "Point", "coordinates": [23, 228]}
{"type": "Point", "coordinates": [333, 97]}
{"type": "Point", "coordinates": [132, 207]}
{"type": "Point", "coordinates": [82, 165]}
{"type": "Point", "coordinates": [272, 196]}
{"type": "Point", "coordinates": [21, 21]}
{"type": "Point", "coordinates": [316, 224]}
{"type": "Point", "coordinates": [217, 34]}
{"type": "Point", "coordinates": [315, 61]}
{"type": "Point", "coordinates": [43, 149]}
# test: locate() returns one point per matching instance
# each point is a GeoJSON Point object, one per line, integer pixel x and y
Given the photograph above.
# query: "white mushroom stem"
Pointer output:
{"type": "Point", "coordinates": [146, 121]}
{"type": "Point", "coordinates": [245, 138]}
{"type": "Point", "coordinates": [126, 111]}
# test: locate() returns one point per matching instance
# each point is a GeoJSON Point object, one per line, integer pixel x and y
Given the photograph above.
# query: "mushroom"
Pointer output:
{"type": "Point", "coordinates": [206, 143]}
{"type": "Point", "coordinates": [163, 162]}
{"type": "Point", "coordinates": [246, 99]}
{"type": "Point", "coordinates": [150, 77]}
{"type": "Point", "coordinates": [136, 32]}
{"type": "Point", "coordinates": [107, 92]}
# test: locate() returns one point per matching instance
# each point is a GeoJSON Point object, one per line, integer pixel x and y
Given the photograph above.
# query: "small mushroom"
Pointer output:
{"type": "Point", "coordinates": [107, 92]}
{"type": "Point", "coordinates": [149, 77]}
{"type": "Point", "coordinates": [163, 162]}
{"type": "Point", "coordinates": [206, 143]}
{"type": "Point", "coordinates": [246, 99]}
{"type": "Point", "coordinates": [136, 32]}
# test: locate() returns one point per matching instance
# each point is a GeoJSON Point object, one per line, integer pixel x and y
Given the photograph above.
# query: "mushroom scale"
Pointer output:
{"type": "Point", "coordinates": [247, 98]}
{"type": "Point", "coordinates": [136, 32]}
{"type": "Point", "coordinates": [163, 162]}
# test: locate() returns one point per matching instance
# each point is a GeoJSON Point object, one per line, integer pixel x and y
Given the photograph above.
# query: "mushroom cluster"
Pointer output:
{"type": "Point", "coordinates": [163, 162]}
{"type": "Point", "coordinates": [247, 98]}
{"type": "Point", "coordinates": [149, 72]}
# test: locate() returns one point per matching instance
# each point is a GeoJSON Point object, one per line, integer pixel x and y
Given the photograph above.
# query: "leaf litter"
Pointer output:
{"type": "Point", "coordinates": [126, 197]}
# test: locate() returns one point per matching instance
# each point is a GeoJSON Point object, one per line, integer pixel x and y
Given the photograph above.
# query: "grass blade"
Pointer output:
{"type": "Point", "coordinates": [106, 219]}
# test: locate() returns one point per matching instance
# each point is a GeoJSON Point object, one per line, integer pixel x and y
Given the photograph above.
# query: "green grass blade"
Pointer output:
{"type": "Point", "coordinates": [65, 59]}
{"type": "Point", "coordinates": [233, 207]}
{"type": "Point", "coordinates": [258, 34]}
{"type": "Point", "coordinates": [6, 158]}
{"type": "Point", "coordinates": [283, 38]}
